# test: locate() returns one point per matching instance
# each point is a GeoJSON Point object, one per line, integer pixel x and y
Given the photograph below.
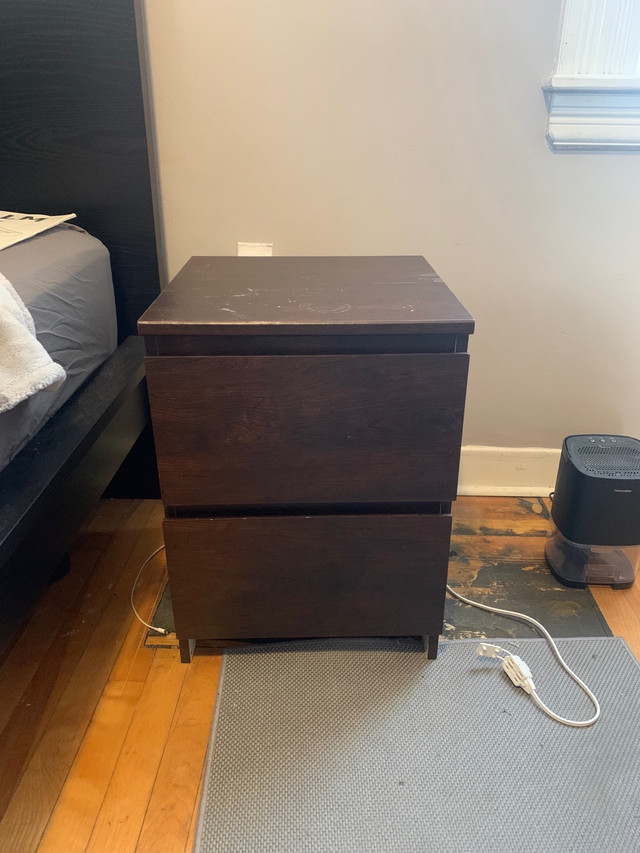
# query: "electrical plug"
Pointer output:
{"type": "Point", "coordinates": [519, 673]}
{"type": "Point", "coordinates": [514, 666]}
{"type": "Point", "coordinates": [489, 651]}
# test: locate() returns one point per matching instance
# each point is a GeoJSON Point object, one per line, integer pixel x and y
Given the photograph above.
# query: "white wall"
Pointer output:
{"type": "Point", "coordinates": [413, 127]}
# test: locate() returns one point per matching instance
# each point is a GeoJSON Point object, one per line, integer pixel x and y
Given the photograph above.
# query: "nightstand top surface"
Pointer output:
{"type": "Point", "coordinates": [306, 295]}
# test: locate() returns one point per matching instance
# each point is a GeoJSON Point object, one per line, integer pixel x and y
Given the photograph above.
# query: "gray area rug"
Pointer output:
{"type": "Point", "coordinates": [356, 746]}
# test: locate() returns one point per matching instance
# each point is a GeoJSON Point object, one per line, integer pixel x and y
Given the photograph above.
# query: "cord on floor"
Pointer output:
{"type": "Point", "coordinates": [162, 631]}
{"type": "Point", "coordinates": [519, 672]}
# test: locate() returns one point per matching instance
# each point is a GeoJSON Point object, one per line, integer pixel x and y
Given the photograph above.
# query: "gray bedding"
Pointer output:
{"type": "Point", "coordinates": [64, 278]}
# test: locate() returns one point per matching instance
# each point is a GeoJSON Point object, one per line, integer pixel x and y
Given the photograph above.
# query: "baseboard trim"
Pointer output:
{"type": "Point", "coordinates": [514, 471]}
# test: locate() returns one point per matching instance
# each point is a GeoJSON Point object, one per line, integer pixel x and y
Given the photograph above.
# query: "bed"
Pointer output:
{"type": "Point", "coordinates": [63, 278]}
{"type": "Point", "coordinates": [74, 136]}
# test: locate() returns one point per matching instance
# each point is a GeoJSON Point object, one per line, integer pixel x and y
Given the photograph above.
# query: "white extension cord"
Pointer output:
{"type": "Point", "coordinates": [517, 669]}
{"type": "Point", "coordinates": [162, 631]}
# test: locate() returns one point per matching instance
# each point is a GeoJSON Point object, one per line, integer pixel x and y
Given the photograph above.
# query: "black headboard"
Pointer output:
{"type": "Point", "coordinates": [73, 136]}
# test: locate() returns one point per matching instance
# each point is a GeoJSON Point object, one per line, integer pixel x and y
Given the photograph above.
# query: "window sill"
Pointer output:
{"type": "Point", "coordinates": [591, 113]}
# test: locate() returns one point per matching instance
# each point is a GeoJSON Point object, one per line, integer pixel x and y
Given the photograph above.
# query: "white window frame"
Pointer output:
{"type": "Point", "coordinates": [594, 96]}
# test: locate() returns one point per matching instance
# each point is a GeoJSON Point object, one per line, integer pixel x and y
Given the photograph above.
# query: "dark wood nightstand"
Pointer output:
{"type": "Point", "coordinates": [307, 415]}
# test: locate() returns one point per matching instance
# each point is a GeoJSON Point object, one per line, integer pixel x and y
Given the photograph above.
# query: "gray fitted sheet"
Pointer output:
{"type": "Point", "coordinates": [64, 278]}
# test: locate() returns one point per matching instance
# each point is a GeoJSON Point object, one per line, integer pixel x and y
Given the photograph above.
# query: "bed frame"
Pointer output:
{"type": "Point", "coordinates": [74, 138]}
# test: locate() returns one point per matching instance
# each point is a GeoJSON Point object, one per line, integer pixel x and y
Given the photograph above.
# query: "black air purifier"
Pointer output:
{"type": "Point", "coordinates": [595, 537]}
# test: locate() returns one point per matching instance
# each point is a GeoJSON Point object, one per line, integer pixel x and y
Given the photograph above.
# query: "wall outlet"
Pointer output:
{"type": "Point", "coordinates": [255, 250]}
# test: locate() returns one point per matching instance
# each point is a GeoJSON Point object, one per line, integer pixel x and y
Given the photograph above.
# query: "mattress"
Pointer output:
{"type": "Point", "coordinates": [64, 278]}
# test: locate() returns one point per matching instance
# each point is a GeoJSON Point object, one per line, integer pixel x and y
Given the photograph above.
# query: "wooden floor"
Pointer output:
{"type": "Point", "coordinates": [102, 740]}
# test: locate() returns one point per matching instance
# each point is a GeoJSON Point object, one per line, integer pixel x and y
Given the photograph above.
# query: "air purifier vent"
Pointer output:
{"type": "Point", "coordinates": [610, 461]}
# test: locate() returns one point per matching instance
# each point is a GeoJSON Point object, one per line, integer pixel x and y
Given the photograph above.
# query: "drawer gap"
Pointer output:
{"type": "Point", "coordinates": [291, 344]}
{"type": "Point", "coordinates": [275, 510]}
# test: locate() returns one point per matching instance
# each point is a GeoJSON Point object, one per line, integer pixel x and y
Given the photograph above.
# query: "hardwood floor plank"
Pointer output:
{"type": "Point", "coordinates": [111, 579]}
{"type": "Point", "coordinates": [77, 807]}
{"type": "Point", "coordinates": [110, 573]}
{"type": "Point", "coordinates": [632, 596]}
{"type": "Point", "coordinates": [33, 644]}
{"type": "Point", "coordinates": [472, 553]}
{"type": "Point", "coordinates": [621, 612]}
{"type": "Point", "coordinates": [191, 835]}
{"type": "Point", "coordinates": [71, 629]}
{"type": "Point", "coordinates": [174, 796]}
{"type": "Point", "coordinates": [479, 516]}
{"type": "Point", "coordinates": [56, 746]}
{"type": "Point", "coordinates": [122, 812]}
{"type": "Point", "coordinates": [19, 737]}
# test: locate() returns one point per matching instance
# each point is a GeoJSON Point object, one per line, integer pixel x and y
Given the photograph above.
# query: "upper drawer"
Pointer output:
{"type": "Point", "coordinates": [307, 429]}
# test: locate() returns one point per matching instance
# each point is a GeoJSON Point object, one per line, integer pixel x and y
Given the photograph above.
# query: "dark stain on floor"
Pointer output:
{"type": "Point", "coordinates": [504, 566]}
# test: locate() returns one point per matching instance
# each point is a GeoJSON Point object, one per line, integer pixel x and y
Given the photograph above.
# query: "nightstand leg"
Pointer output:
{"type": "Point", "coordinates": [431, 646]}
{"type": "Point", "coordinates": [187, 648]}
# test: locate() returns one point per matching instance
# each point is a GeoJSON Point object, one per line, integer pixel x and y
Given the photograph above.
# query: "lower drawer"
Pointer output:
{"type": "Point", "coordinates": [308, 576]}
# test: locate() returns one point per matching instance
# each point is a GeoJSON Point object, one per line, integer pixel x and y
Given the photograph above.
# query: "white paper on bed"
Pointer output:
{"type": "Point", "coordinates": [25, 365]}
{"type": "Point", "coordinates": [15, 227]}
